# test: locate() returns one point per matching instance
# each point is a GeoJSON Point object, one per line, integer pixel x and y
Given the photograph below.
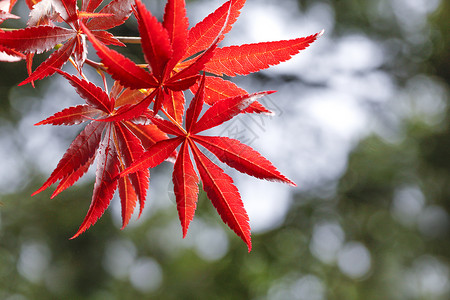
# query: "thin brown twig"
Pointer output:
{"type": "Point", "coordinates": [129, 39]}
{"type": "Point", "coordinates": [95, 65]}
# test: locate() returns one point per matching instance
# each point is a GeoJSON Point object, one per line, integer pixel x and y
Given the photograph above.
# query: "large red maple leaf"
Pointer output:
{"type": "Point", "coordinates": [175, 55]}
{"type": "Point", "coordinates": [218, 186]}
{"type": "Point", "coordinates": [115, 144]}
{"type": "Point", "coordinates": [123, 134]}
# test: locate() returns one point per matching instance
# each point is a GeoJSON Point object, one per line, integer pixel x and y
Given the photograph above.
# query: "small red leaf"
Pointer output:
{"type": "Point", "coordinates": [185, 183]}
{"type": "Point", "coordinates": [71, 10]}
{"type": "Point", "coordinates": [154, 156]}
{"type": "Point", "coordinates": [225, 110]}
{"type": "Point", "coordinates": [10, 55]}
{"type": "Point", "coordinates": [174, 104]}
{"type": "Point", "coordinates": [128, 112]}
{"type": "Point", "coordinates": [241, 157]}
{"type": "Point", "coordinates": [119, 10]}
{"type": "Point", "coordinates": [128, 199]}
{"type": "Point", "coordinates": [249, 58]}
{"type": "Point", "coordinates": [195, 66]}
{"type": "Point", "coordinates": [217, 89]}
{"type": "Point", "coordinates": [29, 58]}
{"type": "Point", "coordinates": [128, 96]}
{"type": "Point", "coordinates": [81, 150]}
{"type": "Point", "coordinates": [107, 38]}
{"type": "Point", "coordinates": [91, 5]}
{"type": "Point", "coordinates": [35, 39]}
{"type": "Point", "coordinates": [121, 68]}
{"type": "Point", "coordinates": [167, 127]}
{"type": "Point", "coordinates": [224, 195]}
{"type": "Point", "coordinates": [155, 40]}
{"type": "Point", "coordinates": [51, 64]}
{"type": "Point", "coordinates": [43, 12]}
{"type": "Point", "coordinates": [105, 182]}
{"type": "Point", "coordinates": [148, 134]}
{"type": "Point", "coordinates": [71, 116]}
{"type": "Point", "coordinates": [129, 147]}
{"type": "Point", "coordinates": [176, 24]}
{"type": "Point", "coordinates": [182, 84]}
{"type": "Point", "coordinates": [195, 108]}
{"type": "Point", "coordinates": [70, 179]}
{"type": "Point", "coordinates": [11, 4]}
{"type": "Point", "coordinates": [204, 33]}
{"type": "Point", "coordinates": [159, 99]}
{"type": "Point", "coordinates": [93, 95]}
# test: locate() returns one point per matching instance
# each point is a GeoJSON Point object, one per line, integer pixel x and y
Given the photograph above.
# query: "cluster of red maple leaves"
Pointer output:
{"type": "Point", "coordinates": [138, 124]}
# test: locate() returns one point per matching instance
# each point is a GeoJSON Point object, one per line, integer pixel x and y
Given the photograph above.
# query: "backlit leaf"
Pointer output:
{"type": "Point", "coordinates": [71, 116]}
{"type": "Point", "coordinates": [155, 40]}
{"type": "Point", "coordinates": [130, 149]}
{"type": "Point", "coordinates": [105, 182]}
{"type": "Point", "coordinates": [93, 95]}
{"type": "Point", "coordinates": [204, 33]}
{"type": "Point", "coordinates": [119, 11]}
{"type": "Point", "coordinates": [51, 64]}
{"type": "Point", "coordinates": [241, 157]}
{"type": "Point", "coordinates": [35, 39]}
{"type": "Point", "coordinates": [176, 24]}
{"type": "Point", "coordinates": [154, 156]}
{"type": "Point", "coordinates": [81, 150]}
{"type": "Point", "coordinates": [224, 196]}
{"type": "Point", "coordinates": [224, 110]}
{"type": "Point", "coordinates": [185, 183]}
{"type": "Point", "coordinates": [246, 59]}
{"type": "Point", "coordinates": [120, 67]}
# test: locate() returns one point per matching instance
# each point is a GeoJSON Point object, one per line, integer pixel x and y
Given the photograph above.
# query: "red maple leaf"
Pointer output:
{"type": "Point", "coordinates": [7, 54]}
{"type": "Point", "coordinates": [43, 36]}
{"type": "Point", "coordinates": [164, 45]}
{"type": "Point", "coordinates": [115, 144]}
{"type": "Point", "coordinates": [175, 55]}
{"type": "Point", "coordinates": [218, 186]}
{"type": "Point", "coordinates": [122, 133]}
{"type": "Point", "coordinates": [237, 60]}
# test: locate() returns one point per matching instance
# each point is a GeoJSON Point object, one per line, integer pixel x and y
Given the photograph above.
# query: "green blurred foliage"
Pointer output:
{"type": "Point", "coordinates": [409, 250]}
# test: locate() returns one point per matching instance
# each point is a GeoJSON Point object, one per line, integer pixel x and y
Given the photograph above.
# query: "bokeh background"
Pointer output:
{"type": "Point", "coordinates": [362, 125]}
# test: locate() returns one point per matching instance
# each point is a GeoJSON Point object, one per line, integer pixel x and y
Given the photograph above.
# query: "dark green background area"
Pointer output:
{"type": "Point", "coordinates": [34, 231]}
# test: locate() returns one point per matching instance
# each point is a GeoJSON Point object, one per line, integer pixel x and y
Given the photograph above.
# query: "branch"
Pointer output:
{"type": "Point", "coordinates": [129, 39]}
{"type": "Point", "coordinates": [95, 65]}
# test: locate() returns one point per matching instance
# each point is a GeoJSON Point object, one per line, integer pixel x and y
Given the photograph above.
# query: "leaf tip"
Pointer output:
{"type": "Point", "coordinates": [75, 235]}
{"type": "Point", "coordinates": [249, 245]}
{"type": "Point", "coordinates": [288, 181]}
{"type": "Point", "coordinates": [82, 229]}
{"type": "Point", "coordinates": [24, 82]}
{"type": "Point", "coordinates": [43, 187]}
{"type": "Point", "coordinates": [320, 33]}
{"type": "Point", "coordinates": [269, 113]}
